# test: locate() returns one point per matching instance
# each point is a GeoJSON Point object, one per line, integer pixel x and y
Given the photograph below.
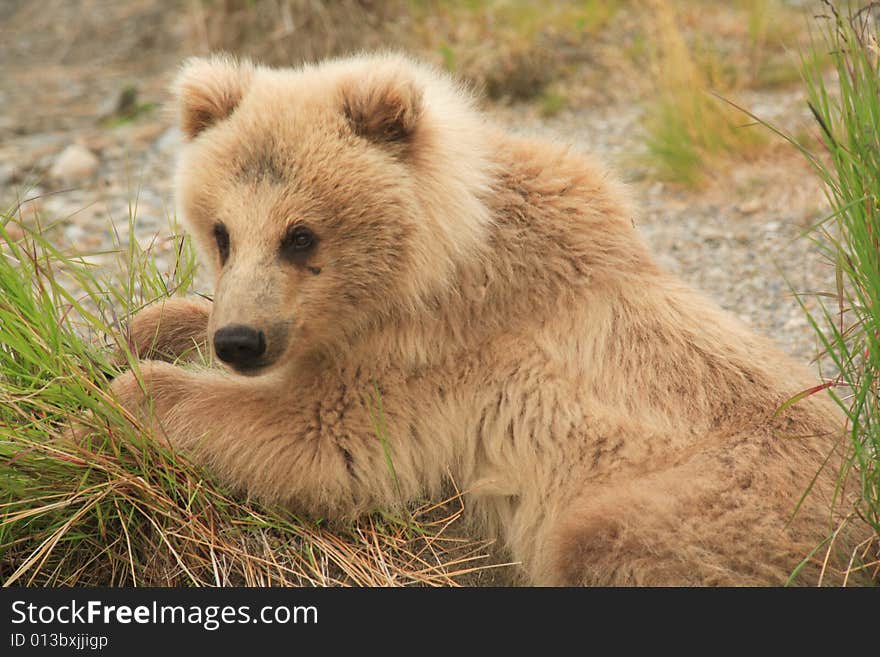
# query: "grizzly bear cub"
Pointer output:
{"type": "Point", "coordinates": [373, 235]}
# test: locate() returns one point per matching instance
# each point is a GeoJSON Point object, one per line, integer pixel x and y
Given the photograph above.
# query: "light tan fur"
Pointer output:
{"type": "Point", "coordinates": [609, 424]}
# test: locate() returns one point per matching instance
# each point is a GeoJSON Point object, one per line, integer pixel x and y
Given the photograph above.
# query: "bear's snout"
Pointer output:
{"type": "Point", "coordinates": [240, 346]}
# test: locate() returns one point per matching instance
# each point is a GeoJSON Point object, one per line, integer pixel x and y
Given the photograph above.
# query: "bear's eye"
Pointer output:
{"type": "Point", "coordinates": [221, 236]}
{"type": "Point", "coordinates": [298, 240]}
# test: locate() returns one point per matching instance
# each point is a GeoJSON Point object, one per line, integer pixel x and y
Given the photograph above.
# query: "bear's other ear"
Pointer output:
{"type": "Point", "coordinates": [383, 111]}
{"type": "Point", "coordinates": [208, 90]}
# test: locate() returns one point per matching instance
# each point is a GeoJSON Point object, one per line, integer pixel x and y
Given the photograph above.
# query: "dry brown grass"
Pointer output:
{"type": "Point", "coordinates": [508, 50]}
{"type": "Point", "coordinates": [690, 131]}
{"type": "Point", "coordinates": [288, 32]}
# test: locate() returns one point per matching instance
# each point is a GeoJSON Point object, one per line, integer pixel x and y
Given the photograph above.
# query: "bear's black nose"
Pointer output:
{"type": "Point", "coordinates": [239, 345]}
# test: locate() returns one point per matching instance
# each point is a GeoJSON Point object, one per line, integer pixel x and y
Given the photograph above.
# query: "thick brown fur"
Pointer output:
{"type": "Point", "coordinates": [609, 424]}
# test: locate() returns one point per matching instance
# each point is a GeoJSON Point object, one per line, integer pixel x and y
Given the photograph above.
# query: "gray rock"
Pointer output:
{"type": "Point", "coordinates": [76, 164]}
{"type": "Point", "coordinates": [8, 174]}
{"type": "Point", "coordinates": [752, 206]}
{"type": "Point", "coordinates": [74, 233]}
{"type": "Point", "coordinates": [170, 141]}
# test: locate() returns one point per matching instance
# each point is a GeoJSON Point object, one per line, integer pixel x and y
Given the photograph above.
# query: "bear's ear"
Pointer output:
{"type": "Point", "coordinates": [208, 90]}
{"type": "Point", "coordinates": [383, 111]}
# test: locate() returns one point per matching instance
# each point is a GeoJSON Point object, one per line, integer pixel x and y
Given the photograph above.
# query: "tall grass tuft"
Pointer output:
{"type": "Point", "coordinates": [115, 507]}
{"type": "Point", "coordinates": [847, 111]}
{"type": "Point", "coordinates": [687, 128]}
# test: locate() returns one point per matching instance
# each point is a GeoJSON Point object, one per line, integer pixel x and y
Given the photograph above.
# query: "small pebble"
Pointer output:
{"type": "Point", "coordinates": [8, 173]}
{"type": "Point", "coordinates": [75, 165]}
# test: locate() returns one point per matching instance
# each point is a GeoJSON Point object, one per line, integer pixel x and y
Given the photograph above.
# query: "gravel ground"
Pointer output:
{"type": "Point", "coordinates": [737, 239]}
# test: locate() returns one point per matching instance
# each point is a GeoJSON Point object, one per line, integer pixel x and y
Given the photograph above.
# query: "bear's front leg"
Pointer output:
{"type": "Point", "coordinates": [310, 447]}
{"type": "Point", "coordinates": [171, 329]}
